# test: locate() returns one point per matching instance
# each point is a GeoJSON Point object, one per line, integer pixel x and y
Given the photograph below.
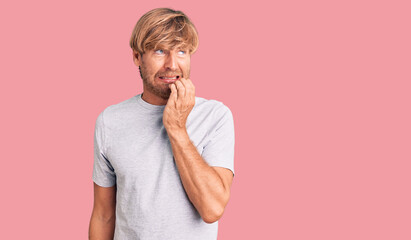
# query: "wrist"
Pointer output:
{"type": "Point", "coordinates": [178, 134]}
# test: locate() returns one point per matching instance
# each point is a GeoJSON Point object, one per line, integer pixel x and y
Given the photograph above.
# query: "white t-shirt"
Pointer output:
{"type": "Point", "coordinates": [132, 150]}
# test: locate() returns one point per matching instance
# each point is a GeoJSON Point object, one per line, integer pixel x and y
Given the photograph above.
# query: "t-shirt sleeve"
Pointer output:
{"type": "Point", "coordinates": [219, 150]}
{"type": "Point", "coordinates": [103, 172]}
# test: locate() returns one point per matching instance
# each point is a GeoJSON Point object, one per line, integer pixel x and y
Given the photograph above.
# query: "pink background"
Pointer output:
{"type": "Point", "coordinates": [319, 90]}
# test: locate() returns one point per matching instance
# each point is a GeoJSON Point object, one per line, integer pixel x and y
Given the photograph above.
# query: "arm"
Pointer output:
{"type": "Point", "coordinates": [208, 192]}
{"type": "Point", "coordinates": [103, 217]}
{"type": "Point", "coordinates": [208, 188]}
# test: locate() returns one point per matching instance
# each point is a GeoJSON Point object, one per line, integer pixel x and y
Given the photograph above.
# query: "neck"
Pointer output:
{"type": "Point", "coordinates": [152, 98]}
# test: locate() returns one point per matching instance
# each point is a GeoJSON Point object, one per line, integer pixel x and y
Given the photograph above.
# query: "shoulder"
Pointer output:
{"type": "Point", "coordinates": [211, 106]}
{"type": "Point", "coordinates": [210, 110]}
{"type": "Point", "coordinates": [118, 110]}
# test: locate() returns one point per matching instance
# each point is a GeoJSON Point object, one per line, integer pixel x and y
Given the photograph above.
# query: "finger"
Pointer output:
{"type": "Point", "coordinates": [190, 89]}
{"type": "Point", "coordinates": [189, 84]}
{"type": "Point", "coordinates": [173, 95]}
{"type": "Point", "coordinates": [187, 87]}
{"type": "Point", "coordinates": [180, 90]}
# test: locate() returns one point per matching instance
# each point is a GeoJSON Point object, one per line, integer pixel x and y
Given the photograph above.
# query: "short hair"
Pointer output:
{"type": "Point", "coordinates": [164, 28]}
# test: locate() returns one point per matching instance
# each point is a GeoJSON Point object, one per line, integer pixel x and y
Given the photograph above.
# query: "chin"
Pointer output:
{"type": "Point", "coordinates": [163, 93]}
{"type": "Point", "coordinates": [159, 89]}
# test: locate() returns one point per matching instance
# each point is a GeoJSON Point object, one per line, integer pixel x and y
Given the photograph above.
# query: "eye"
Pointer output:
{"type": "Point", "coordinates": [159, 51]}
{"type": "Point", "coordinates": [181, 52]}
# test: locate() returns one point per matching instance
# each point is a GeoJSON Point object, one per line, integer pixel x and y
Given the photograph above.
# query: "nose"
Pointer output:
{"type": "Point", "coordinates": [171, 61]}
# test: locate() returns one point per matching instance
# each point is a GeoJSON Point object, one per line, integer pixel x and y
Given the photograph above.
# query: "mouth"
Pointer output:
{"type": "Point", "coordinates": [169, 79]}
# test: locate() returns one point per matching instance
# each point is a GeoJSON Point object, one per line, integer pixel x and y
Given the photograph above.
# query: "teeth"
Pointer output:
{"type": "Point", "coordinates": [168, 78]}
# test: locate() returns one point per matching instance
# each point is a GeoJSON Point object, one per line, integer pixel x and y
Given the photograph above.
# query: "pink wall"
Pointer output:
{"type": "Point", "coordinates": [319, 90]}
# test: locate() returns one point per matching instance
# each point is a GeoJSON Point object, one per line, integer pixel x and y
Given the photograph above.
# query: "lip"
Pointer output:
{"type": "Point", "coordinates": [167, 80]}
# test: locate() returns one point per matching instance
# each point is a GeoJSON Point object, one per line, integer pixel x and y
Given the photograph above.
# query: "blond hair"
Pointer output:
{"type": "Point", "coordinates": [164, 28]}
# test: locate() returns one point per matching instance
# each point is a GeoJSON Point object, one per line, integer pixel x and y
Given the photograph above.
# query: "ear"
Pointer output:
{"type": "Point", "coordinates": [136, 58]}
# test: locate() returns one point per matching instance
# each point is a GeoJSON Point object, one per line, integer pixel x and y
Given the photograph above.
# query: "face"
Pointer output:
{"type": "Point", "coordinates": [160, 67]}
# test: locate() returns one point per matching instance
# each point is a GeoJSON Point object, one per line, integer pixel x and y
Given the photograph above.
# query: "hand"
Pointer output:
{"type": "Point", "coordinates": [179, 105]}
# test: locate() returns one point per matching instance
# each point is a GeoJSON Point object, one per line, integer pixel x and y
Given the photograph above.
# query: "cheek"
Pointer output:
{"type": "Point", "coordinates": [187, 70]}
{"type": "Point", "coordinates": [152, 67]}
{"type": "Point", "coordinates": [155, 69]}
{"type": "Point", "coordinates": [151, 73]}
{"type": "Point", "coordinates": [185, 66]}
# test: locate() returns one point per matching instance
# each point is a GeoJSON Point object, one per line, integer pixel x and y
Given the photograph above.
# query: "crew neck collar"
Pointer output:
{"type": "Point", "coordinates": [149, 106]}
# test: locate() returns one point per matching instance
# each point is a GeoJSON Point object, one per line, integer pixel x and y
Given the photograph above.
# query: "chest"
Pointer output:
{"type": "Point", "coordinates": [142, 149]}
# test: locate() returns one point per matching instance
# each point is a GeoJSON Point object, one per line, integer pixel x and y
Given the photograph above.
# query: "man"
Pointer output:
{"type": "Point", "coordinates": [164, 159]}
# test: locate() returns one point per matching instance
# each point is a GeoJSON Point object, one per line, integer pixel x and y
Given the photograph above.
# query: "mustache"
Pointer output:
{"type": "Point", "coordinates": [169, 74]}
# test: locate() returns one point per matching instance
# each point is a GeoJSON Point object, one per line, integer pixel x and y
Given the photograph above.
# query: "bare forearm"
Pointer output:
{"type": "Point", "coordinates": [101, 229]}
{"type": "Point", "coordinates": [201, 182]}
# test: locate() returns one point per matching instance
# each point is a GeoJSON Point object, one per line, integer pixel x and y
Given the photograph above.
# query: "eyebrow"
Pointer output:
{"type": "Point", "coordinates": [168, 49]}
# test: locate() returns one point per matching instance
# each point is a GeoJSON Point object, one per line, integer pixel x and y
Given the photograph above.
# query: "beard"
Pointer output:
{"type": "Point", "coordinates": [161, 90]}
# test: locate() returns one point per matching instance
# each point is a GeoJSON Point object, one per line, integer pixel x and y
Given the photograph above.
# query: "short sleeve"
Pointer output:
{"type": "Point", "coordinates": [219, 150]}
{"type": "Point", "coordinates": [103, 172]}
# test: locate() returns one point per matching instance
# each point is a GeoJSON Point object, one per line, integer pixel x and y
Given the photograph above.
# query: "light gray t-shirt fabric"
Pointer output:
{"type": "Point", "coordinates": [132, 150]}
